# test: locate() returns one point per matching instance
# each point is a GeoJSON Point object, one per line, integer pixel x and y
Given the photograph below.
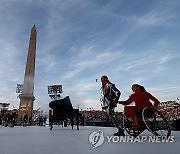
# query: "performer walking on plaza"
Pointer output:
{"type": "Point", "coordinates": [110, 96]}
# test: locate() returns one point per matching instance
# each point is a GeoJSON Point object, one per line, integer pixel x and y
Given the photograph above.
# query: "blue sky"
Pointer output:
{"type": "Point", "coordinates": [130, 41]}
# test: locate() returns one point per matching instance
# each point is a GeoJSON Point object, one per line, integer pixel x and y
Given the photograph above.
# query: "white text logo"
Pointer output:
{"type": "Point", "coordinates": [96, 138]}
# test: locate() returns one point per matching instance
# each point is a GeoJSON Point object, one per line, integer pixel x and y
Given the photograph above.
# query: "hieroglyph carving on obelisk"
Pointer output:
{"type": "Point", "coordinates": [27, 97]}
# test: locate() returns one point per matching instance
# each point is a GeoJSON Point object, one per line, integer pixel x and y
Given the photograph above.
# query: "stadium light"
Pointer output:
{"type": "Point", "coordinates": [19, 89]}
{"type": "Point", "coordinates": [55, 91]}
{"type": "Point", "coordinates": [4, 107]}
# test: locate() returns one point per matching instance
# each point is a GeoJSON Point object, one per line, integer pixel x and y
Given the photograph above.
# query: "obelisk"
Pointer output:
{"type": "Point", "coordinates": [27, 97]}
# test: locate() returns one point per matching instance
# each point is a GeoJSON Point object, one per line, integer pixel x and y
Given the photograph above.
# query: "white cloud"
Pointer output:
{"type": "Point", "coordinates": [165, 92]}
{"type": "Point", "coordinates": [85, 61]}
{"type": "Point", "coordinates": [155, 18]}
{"type": "Point", "coordinates": [166, 58]}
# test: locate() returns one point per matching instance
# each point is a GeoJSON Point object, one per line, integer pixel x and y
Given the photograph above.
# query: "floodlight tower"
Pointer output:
{"type": "Point", "coordinates": [4, 107]}
{"type": "Point", "coordinates": [19, 89]}
{"type": "Point", "coordinates": [55, 91]}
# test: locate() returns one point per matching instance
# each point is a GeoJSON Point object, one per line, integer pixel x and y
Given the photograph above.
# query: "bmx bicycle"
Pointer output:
{"type": "Point", "coordinates": [150, 119]}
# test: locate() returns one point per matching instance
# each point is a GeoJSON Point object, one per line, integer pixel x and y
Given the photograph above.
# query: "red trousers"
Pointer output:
{"type": "Point", "coordinates": [130, 111]}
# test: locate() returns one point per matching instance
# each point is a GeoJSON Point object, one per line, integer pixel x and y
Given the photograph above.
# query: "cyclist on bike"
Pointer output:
{"type": "Point", "coordinates": [142, 99]}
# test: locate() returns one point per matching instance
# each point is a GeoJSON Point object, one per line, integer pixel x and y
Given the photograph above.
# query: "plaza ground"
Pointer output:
{"type": "Point", "coordinates": [64, 140]}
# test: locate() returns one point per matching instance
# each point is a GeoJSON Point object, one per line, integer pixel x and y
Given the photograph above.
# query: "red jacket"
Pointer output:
{"type": "Point", "coordinates": [141, 99]}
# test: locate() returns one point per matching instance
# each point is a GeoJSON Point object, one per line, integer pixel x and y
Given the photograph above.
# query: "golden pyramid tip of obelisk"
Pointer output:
{"type": "Point", "coordinates": [34, 27]}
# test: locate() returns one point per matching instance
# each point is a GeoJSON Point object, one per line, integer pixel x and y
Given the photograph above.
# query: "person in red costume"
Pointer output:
{"type": "Point", "coordinates": [142, 99]}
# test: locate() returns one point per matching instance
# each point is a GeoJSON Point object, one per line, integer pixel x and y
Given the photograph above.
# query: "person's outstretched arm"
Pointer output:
{"type": "Point", "coordinates": [127, 102]}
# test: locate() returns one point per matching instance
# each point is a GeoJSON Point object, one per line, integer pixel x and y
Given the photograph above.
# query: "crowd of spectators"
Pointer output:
{"type": "Point", "coordinates": [89, 117]}
{"type": "Point", "coordinates": [98, 118]}
{"type": "Point", "coordinates": [8, 118]}
{"type": "Point", "coordinates": [171, 112]}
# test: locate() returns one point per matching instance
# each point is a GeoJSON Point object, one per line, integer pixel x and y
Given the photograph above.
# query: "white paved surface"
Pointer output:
{"type": "Point", "coordinates": [40, 140]}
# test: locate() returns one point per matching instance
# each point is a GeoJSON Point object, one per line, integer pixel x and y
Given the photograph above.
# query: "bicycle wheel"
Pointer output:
{"type": "Point", "coordinates": [127, 124]}
{"type": "Point", "coordinates": [156, 122]}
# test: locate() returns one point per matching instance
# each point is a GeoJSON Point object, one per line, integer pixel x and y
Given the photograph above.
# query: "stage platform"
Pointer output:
{"type": "Point", "coordinates": [64, 140]}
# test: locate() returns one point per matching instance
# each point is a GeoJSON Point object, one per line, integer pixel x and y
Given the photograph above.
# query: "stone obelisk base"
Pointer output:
{"type": "Point", "coordinates": [26, 106]}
